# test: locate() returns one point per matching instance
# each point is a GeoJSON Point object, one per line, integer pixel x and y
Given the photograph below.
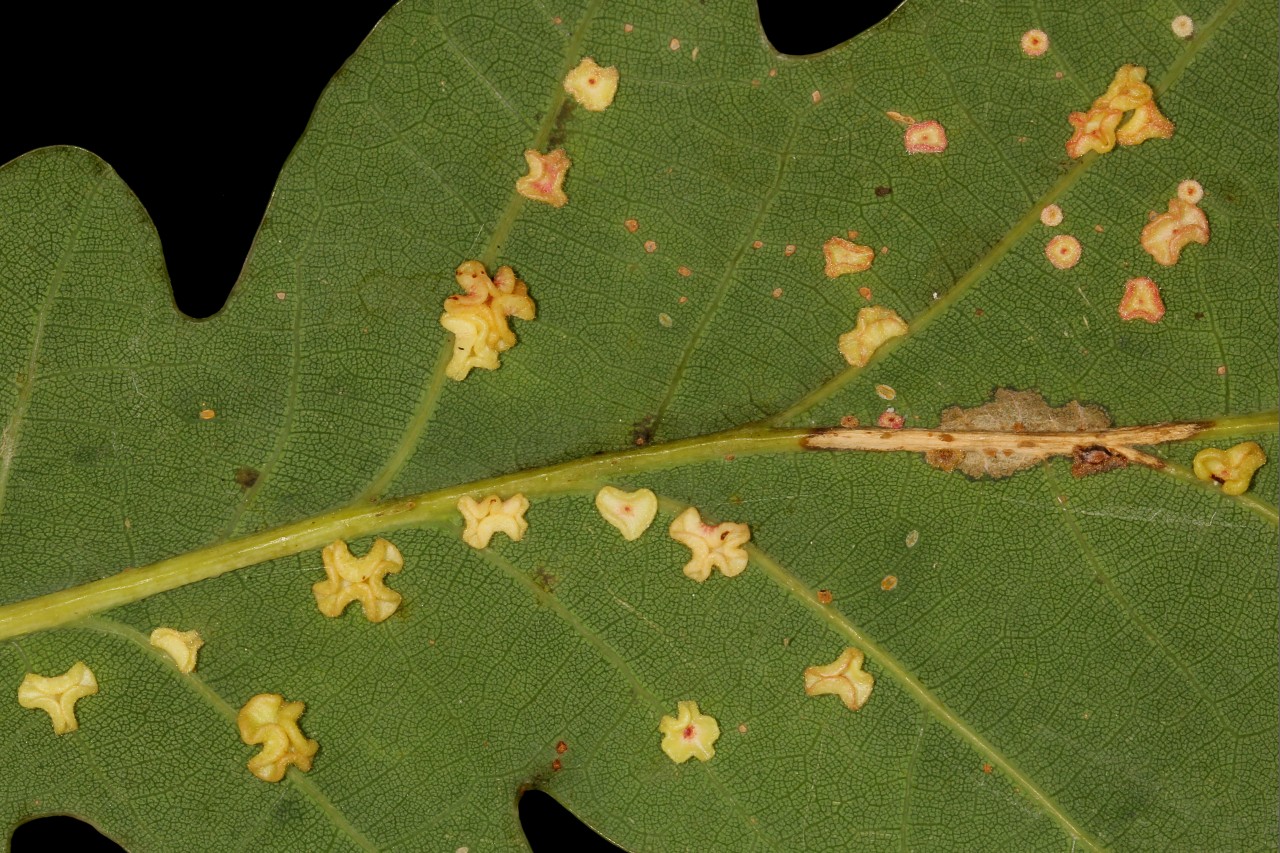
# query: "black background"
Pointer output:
{"type": "Point", "coordinates": [196, 106]}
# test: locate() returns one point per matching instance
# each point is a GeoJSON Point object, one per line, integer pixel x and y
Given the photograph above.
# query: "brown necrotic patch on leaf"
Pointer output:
{"type": "Point", "coordinates": [1095, 460]}
{"type": "Point", "coordinates": [246, 477]}
{"type": "Point", "coordinates": [1013, 412]}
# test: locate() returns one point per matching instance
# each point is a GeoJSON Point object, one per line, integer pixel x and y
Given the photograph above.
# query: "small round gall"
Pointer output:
{"type": "Point", "coordinates": [1051, 215]}
{"type": "Point", "coordinates": [1035, 42]}
{"type": "Point", "coordinates": [1063, 251]}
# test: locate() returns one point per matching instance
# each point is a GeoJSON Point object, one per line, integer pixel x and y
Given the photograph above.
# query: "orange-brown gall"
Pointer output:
{"type": "Point", "coordinates": [843, 257]}
{"type": "Point", "coordinates": [888, 582]}
{"type": "Point", "coordinates": [789, 250]}
{"type": "Point", "coordinates": [1034, 42]}
{"type": "Point", "coordinates": [1141, 301]}
{"type": "Point", "coordinates": [684, 271]}
{"type": "Point", "coordinates": [631, 225]}
{"type": "Point", "coordinates": [757, 244]}
{"type": "Point", "coordinates": [1063, 251]}
{"type": "Point", "coordinates": [650, 246]}
{"type": "Point", "coordinates": [556, 766]}
{"type": "Point", "coordinates": [824, 596]}
{"type": "Point", "coordinates": [1165, 236]}
{"type": "Point", "coordinates": [1094, 131]}
{"type": "Point", "coordinates": [925, 137]}
{"type": "Point", "coordinates": [545, 180]}
{"type": "Point", "coordinates": [562, 747]}
{"type": "Point", "coordinates": [865, 293]}
{"type": "Point", "coordinates": [207, 414]}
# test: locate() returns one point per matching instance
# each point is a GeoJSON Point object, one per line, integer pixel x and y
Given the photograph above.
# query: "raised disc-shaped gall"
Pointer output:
{"type": "Point", "coordinates": [592, 87]}
{"type": "Point", "coordinates": [1051, 215]}
{"type": "Point", "coordinates": [1190, 191]}
{"type": "Point", "coordinates": [1232, 469]}
{"type": "Point", "coordinates": [876, 325]}
{"type": "Point", "coordinates": [478, 317]}
{"type": "Point", "coordinates": [182, 646]}
{"type": "Point", "coordinates": [843, 677]}
{"type": "Point", "coordinates": [57, 695]}
{"type": "Point", "coordinates": [630, 512]}
{"type": "Point", "coordinates": [925, 137]}
{"type": "Point", "coordinates": [1141, 301]}
{"type": "Point", "coordinates": [1183, 27]}
{"type": "Point", "coordinates": [1063, 251]}
{"type": "Point", "coordinates": [1168, 234]}
{"type": "Point", "coordinates": [689, 734]}
{"type": "Point", "coordinates": [1034, 42]}
{"type": "Point", "coordinates": [545, 179]}
{"type": "Point", "coordinates": [844, 257]}
{"type": "Point", "coordinates": [350, 578]}
{"type": "Point", "coordinates": [269, 720]}
{"type": "Point", "coordinates": [492, 515]}
{"type": "Point", "coordinates": [716, 546]}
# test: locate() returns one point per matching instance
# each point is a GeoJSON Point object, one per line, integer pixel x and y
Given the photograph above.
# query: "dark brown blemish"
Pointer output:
{"type": "Point", "coordinates": [881, 192]}
{"type": "Point", "coordinates": [642, 431]}
{"type": "Point", "coordinates": [246, 477]}
{"type": "Point", "coordinates": [945, 460]}
{"type": "Point", "coordinates": [558, 132]}
{"type": "Point", "coordinates": [1095, 460]}
{"type": "Point", "coordinates": [824, 596]}
{"type": "Point", "coordinates": [946, 436]}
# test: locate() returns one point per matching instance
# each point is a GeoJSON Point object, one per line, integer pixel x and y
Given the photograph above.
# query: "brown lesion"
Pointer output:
{"type": "Point", "coordinates": [1096, 460]}
{"type": "Point", "coordinates": [1015, 431]}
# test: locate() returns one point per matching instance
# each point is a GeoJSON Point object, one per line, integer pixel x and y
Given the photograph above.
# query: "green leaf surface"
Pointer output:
{"type": "Point", "coordinates": [1064, 663]}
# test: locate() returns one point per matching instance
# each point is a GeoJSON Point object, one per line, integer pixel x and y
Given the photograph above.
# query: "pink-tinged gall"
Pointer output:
{"type": "Point", "coordinates": [816, 97]}
{"type": "Point", "coordinates": [1183, 27]}
{"type": "Point", "coordinates": [1141, 301]}
{"type": "Point", "coordinates": [844, 257]}
{"type": "Point", "coordinates": [789, 250]}
{"type": "Point", "coordinates": [777, 293]}
{"type": "Point", "coordinates": [1063, 251]}
{"type": "Point", "coordinates": [1168, 234]}
{"type": "Point", "coordinates": [757, 244]}
{"type": "Point", "coordinates": [865, 293]}
{"type": "Point", "coordinates": [545, 179]}
{"type": "Point", "coordinates": [631, 225]}
{"type": "Point", "coordinates": [889, 419]}
{"type": "Point", "coordinates": [592, 87]}
{"type": "Point", "coordinates": [1190, 191]}
{"type": "Point", "coordinates": [1035, 42]}
{"type": "Point", "coordinates": [925, 137]}
{"type": "Point", "coordinates": [1051, 215]}
{"type": "Point", "coordinates": [675, 44]}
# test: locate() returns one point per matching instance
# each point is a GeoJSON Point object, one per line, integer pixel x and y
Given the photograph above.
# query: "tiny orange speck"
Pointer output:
{"type": "Point", "coordinates": [631, 225]}
{"type": "Point", "coordinates": [865, 293]}
{"type": "Point", "coordinates": [683, 299]}
{"type": "Point", "coordinates": [790, 250]}
{"type": "Point", "coordinates": [675, 44]}
{"type": "Point", "coordinates": [280, 294]}
{"type": "Point", "coordinates": [626, 28]}
{"type": "Point", "coordinates": [650, 246]}
{"type": "Point", "coordinates": [562, 747]}
{"type": "Point", "coordinates": [777, 292]}
{"type": "Point", "coordinates": [684, 271]}
{"type": "Point", "coordinates": [207, 414]}
{"type": "Point", "coordinates": [757, 244]}
{"type": "Point", "coordinates": [556, 765]}
{"type": "Point", "coordinates": [889, 582]}
{"type": "Point", "coordinates": [742, 728]}
{"type": "Point", "coordinates": [824, 596]}
{"type": "Point", "coordinates": [1222, 370]}
{"type": "Point", "coordinates": [987, 768]}
{"type": "Point", "coordinates": [816, 96]}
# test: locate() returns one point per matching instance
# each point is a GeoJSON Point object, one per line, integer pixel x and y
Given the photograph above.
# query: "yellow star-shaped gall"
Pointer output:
{"type": "Point", "coordinates": [182, 646]}
{"type": "Point", "coordinates": [546, 177]}
{"type": "Point", "coordinates": [843, 677]}
{"type": "Point", "coordinates": [353, 578]}
{"type": "Point", "coordinates": [876, 324]}
{"type": "Point", "coordinates": [689, 734]}
{"type": "Point", "coordinates": [269, 720]}
{"type": "Point", "coordinates": [492, 515]}
{"type": "Point", "coordinates": [630, 512]}
{"type": "Point", "coordinates": [844, 257]}
{"type": "Point", "coordinates": [1233, 468]}
{"type": "Point", "coordinates": [592, 87]}
{"type": "Point", "coordinates": [57, 695]}
{"type": "Point", "coordinates": [716, 546]}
